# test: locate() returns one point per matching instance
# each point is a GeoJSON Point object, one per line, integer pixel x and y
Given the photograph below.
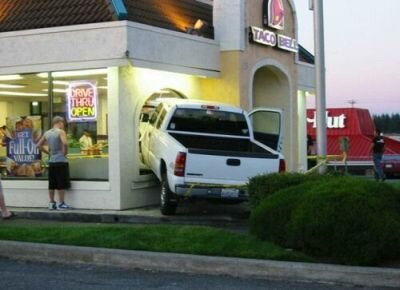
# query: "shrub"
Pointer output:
{"type": "Point", "coordinates": [261, 186]}
{"type": "Point", "coordinates": [344, 219]}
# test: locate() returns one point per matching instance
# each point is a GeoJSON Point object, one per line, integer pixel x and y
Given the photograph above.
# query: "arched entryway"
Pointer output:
{"type": "Point", "coordinates": [271, 88]}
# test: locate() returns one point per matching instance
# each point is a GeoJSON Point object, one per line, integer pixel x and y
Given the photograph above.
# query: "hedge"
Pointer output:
{"type": "Point", "coordinates": [343, 219]}
{"type": "Point", "coordinates": [262, 186]}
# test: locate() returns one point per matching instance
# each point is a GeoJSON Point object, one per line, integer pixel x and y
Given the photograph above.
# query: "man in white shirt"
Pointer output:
{"type": "Point", "coordinates": [86, 141]}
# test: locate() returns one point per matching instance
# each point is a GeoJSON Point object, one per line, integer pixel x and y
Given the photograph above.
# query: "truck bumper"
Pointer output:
{"type": "Point", "coordinates": [211, 192]}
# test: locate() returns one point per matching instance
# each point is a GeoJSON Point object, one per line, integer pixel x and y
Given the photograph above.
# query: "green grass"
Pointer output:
{"type": "Point", "coordinates": [396, 184]}
{"type": "Point", "coordinates": [173, 239]}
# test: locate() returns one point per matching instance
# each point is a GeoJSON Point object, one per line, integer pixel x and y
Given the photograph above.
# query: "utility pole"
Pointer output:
{"type": "Point", "coordinates": [352, 103]}
{"type": "Point", "coordinates": [320, 81]}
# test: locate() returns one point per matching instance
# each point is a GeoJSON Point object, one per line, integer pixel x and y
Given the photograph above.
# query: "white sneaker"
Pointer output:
{"type": "Point", "coordinates": [63, 206]}
{"type": "Point", "coordinates": [52, 206]}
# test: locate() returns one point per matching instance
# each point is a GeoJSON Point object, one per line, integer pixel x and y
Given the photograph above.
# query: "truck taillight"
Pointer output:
{"type": "Point", "coordinates": [180, 163]}
{"type": "Point", "coordinates": [282, 166]}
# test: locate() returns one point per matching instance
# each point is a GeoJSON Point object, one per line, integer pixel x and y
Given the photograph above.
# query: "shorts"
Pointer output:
{"type": "Point", "coordinates": [59, 176]}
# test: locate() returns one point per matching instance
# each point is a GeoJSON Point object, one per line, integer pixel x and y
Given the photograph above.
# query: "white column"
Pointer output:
{"type": "Point", "coordinates": [114, 140]}
{"type": "Point", "coordinates": [302, 130]}
{"type": "Point", "coordinates": [320, 79]}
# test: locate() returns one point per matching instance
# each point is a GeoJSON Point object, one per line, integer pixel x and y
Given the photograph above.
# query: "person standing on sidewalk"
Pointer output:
{"type": "Point", "coordinates": [56, 139]}
{"type": "Point", "coordinates": [378, 148]}
{"type": "Point", "coordinates": [5, 213]}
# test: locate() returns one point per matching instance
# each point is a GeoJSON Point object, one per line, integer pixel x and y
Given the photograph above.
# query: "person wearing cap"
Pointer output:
{"type": "Point", "coordinates": [56, 139]}
{"type": "Point", "coordinates": [377, 149]}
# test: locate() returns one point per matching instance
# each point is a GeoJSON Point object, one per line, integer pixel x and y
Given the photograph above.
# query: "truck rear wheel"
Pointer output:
{"type": "Point", "coordinates": [167, 207]}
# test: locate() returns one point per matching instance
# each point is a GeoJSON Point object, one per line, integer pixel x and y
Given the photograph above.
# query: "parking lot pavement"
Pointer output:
{"type": "Point", "coordinates": [32, 276]}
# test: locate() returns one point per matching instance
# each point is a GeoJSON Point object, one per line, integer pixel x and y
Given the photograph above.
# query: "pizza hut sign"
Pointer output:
{"type": "Point", "coordinates": [82, 102]}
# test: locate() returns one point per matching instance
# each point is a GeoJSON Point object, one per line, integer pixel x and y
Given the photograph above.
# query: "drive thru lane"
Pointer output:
{"type": "Point", "coordinates": [16, 275]}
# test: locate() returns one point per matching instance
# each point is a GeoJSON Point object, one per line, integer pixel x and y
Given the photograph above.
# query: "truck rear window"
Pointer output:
{"type": "Point", "coordinates": [209, 121]}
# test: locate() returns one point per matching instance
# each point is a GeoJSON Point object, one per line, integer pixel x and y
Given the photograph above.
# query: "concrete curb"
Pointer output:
{"type": "Point", "coordinates": [85, 217]}
{"type": "Point", "coordinates": [235, 267]}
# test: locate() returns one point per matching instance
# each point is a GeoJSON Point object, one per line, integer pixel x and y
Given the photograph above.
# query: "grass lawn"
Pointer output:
{"type": "Point", "coordinates": [174, 239]}
{"type": "Point", "coordinates": [396, 184]}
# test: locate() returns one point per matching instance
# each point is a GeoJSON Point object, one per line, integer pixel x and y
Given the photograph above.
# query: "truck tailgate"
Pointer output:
{"type": "Point", "coordinates": [224, 167]}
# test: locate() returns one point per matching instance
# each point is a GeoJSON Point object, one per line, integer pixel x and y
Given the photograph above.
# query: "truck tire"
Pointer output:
{"type": "Point", "coordinates": [167, 207]}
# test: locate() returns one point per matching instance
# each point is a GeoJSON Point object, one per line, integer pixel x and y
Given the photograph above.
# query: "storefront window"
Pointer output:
{"type": "Point", "coordinates": [27, 105]}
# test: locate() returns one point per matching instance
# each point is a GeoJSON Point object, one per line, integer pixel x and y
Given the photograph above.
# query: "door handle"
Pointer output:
{"type": "Point", "coordinates": [233, 162]}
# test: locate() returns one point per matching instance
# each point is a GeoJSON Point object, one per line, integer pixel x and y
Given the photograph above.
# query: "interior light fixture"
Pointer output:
{"type": "Point", "coordinates": [57, 82]}
{"type": "Point", "coordinates": [5, 93]}
{"type": "Point", "coordinates": [35, 104]}
{"type": "Point", "coordinates": [57, 90]}
{"type": "Point", "coordinates": [103, 87]}
{"type": "Point", "coordinates": [76, 73]}
{"type": "Point", "coordinates": [11, 77]}
{"type": "Point", "coordinates": [198, 28]}
{"type": "Point", "coordinates": [7, 86]}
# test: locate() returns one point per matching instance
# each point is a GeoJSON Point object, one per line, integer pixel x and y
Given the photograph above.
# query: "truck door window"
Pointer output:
{"type": "Point", "coordinates": [209, 121]}
{"type": "Point", "coordinates": [267, 127]}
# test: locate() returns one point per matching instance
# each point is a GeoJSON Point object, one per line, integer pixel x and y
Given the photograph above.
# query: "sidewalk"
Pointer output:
{"type": "Point", "coordinates": [213, 215]}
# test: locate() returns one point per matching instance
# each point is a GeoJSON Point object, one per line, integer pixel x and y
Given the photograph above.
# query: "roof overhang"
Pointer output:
{"type": "Point", "coordinates": [106, 44]}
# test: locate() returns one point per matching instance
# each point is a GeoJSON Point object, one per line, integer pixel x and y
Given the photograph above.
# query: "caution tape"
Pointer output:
{"type": "Point", "coordinates": [323, 160]}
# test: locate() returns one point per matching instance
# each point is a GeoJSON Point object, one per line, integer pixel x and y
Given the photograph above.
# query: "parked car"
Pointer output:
{"type": "Point", "coordinates": [391, 165]}
{"type": "Point", "coordinates": [202, 150]}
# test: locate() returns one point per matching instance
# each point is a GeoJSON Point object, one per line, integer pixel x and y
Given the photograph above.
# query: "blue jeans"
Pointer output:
{"type": "Point", "coordinates": [378, 169]}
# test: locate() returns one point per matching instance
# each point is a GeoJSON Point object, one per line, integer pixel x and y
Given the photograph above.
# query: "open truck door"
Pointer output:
{"type": "Point", "coordinates": [268, 127]}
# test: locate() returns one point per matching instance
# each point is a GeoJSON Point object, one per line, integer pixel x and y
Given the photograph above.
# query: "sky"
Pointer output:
{"type": "Point", "coordinates": [362, 46]}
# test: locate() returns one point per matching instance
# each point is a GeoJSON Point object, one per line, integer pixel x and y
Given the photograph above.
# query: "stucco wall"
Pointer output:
{"type": "Point", "coordinates": [240, 56]}
{"type": "Point", "coordinates": [135, 86]}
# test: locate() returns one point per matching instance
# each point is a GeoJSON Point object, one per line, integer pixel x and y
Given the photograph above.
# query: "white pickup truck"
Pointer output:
{"type": "Point", "coordinates": [204, 150]}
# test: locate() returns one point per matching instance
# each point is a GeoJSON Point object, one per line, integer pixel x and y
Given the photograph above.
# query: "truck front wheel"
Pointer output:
{"type": "Point", "coordinates": [168, 207]}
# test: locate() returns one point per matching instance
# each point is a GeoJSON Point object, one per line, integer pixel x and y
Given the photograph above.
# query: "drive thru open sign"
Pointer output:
{"type": "Point", "coordinates": [82, 101]}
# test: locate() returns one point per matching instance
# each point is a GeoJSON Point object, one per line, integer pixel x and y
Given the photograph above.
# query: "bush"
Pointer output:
{"type": "Point", "coordinates": [262, 186]}
{"type": "Point", "coordinates": [343, 219]}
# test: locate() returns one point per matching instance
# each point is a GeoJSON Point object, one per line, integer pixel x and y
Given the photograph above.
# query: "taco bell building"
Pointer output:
{"type": "Point", "coordinates": [116, 54]}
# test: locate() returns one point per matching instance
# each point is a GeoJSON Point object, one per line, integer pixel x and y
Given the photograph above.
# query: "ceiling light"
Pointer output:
{"type": "Point", "coordinates": [57, 82]}
{"type": "Point", "coordinates": [11, 78]}
{"type": "Point", "coordinates": [76, 73]}
{"type": "Point", "coordinates": [4, 93]}
{"type": "Point", "coordinates": [199, 27]}
{"type": "Point", "coordinates": [35, 104]}
{"type": "Point", "coordinates": [56, 90]}
{"type": "Point", "coordinates": [7, 86]}
{"type": "Point", "coordinates": [103, 87]}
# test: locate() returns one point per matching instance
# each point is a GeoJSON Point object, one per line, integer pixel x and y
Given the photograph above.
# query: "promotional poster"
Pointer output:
{"type": "Point", "coordinates": [23, 157]}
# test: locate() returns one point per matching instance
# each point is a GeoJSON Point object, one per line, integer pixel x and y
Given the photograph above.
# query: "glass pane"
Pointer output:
{"type": "Point", "coordinates": [23, 117]}
{"type": "Point", "coordinates": [81, 98]}
{"type": "Point", "coordinates": [209, 121]}
{"type": "Point", "coordinates": [267, 126]}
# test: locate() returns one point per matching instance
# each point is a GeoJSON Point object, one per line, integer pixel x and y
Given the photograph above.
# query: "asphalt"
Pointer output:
{"type": "Point", "coordinates": [37, 276]}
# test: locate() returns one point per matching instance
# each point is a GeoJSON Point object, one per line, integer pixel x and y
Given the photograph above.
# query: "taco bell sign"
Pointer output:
{"type": "Point", "coordinates": [269, 38]}
{"type": "Point", "coordinates": [273, 18]}
{"type": "Point", "coordinates": [274, 14]}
